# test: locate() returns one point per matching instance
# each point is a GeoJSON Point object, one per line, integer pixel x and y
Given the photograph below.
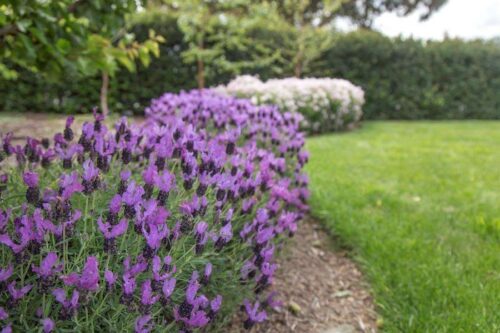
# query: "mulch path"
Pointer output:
{"type": "Point", "coordinates": [321, 288]}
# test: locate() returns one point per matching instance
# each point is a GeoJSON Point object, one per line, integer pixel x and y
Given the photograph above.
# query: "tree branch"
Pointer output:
{"type": "Point", "coordinates": [74, 5]}
{"type": "Point", "coordinates": [10, 29]}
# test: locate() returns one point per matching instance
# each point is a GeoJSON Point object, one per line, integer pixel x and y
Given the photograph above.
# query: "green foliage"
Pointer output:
{"type": "Point", "coordinates": [402, 78]}
{"type": "Point", "coordinates": [362, 12]}
{"type": "Point", "coordinates": [418, 205]}
{"type": "Point", "coordinates": [214, 29]}
{"type": "Point", "coordinates": [410, 79]}
{"type": "Point", "coordinates": [54, 37]}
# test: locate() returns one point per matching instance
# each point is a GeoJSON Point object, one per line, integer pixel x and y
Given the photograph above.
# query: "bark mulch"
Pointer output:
{"type": "Point", "coordinates": [321, 288]}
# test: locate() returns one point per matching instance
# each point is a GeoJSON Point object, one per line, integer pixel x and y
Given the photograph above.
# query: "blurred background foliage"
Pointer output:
{"type": "Point", "coordinates": [402, 78]}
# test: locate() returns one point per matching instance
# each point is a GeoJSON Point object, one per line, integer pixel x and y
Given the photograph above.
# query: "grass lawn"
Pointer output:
{"type": "Point", "coordinates": [419, 204]}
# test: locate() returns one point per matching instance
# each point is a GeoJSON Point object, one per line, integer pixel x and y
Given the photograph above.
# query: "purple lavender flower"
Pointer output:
{"type": "Point", "coordinates": [165, 182]}
{"type": "Point", "coordinates": [264, 235]}
{"type": "Point", "coordinates": [225, 236]}
{"type": "Point", "coordinates": [124, 177]}
{"type": "Point", "coordinates": [207, 273]}
{"type": "Point", "coordinates": [33, 193]}
{"type": "Point", "coordinates": [148, 299]}
{"type": "Point", "coordinates": [110, 232]}
{"type": "Point", "coordinates": [271, 302]}
{"type": "Point", "coordinates": [7, 328]}
{"type": "Point", "coordinates": [90, 177]}
{"type": "Point", "coordinates": [253, 313]}
{"type": "Point", "coordinates": [26, 237]}
{"type": "Point", "coordinates": [215, 305]}
{"type": "Point", "coordinates": [89, 278]}
{"type": "Point", "coordinates": [149, 176]}
{"type": "Point", "coordinates": [201, 236]}
{"type": "Point", "coordinates": [4, 219]}
{"type": "Point", "coordinates": [3, 314]}
{"type": "Point", "coordinates": [68, 132]}
{"type": "Point", "coordinates": [17, 294]}
{"type": "Point", "coordinates": [48, 325]}
{"type": "Point", "coordinates": [6, 273]}
{"type": "Point", "coordinates": [47, 157]}
{"type": "Point", "coordinates": [6, 145]}
{"type": "Point", "coordinates": [110, 279]}
{"type": "Point", "coordinates": [168, 287]}
{"type": "Point", "coordinates": [131, 198]}
{"type": "Point", "coordinates": [154, 235]}
{"type": "Point", "coordinates": [129, 285]}
{"type": "Point", "coordinates": [143, 325]}
{"type": "Point", "coordinates": [67, 154]}
{"type": "Point", "coordinates": [69, 306]}
{"type": "Point", "coordinates": [69, 184]}
{"type": "Point", "coordinates": [48, 268]}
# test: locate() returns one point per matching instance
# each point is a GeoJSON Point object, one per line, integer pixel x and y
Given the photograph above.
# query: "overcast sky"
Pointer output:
{"type": "Point", "coordinates": [459, 18]}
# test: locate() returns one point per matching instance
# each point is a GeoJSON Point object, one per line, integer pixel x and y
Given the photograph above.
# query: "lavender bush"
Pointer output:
{"type": "Point", "coordinates": [166, 226]}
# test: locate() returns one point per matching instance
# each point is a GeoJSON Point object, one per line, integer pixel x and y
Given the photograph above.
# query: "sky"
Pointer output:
{"type": "Point", "coordinates": [467, 19]}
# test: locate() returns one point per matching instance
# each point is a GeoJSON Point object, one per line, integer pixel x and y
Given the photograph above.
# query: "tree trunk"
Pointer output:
{"type": "Point", "coordinates": [298, 65]}
{"type": "Point", "coordinates": [104, 94]}
{"type": "Point", "coordinates": [200, 77]}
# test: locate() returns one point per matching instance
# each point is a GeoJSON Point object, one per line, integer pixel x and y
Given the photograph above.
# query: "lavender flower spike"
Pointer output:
{"type": "Point", "coordinates": [48, 325]}
{"type": "Point", "coordinates": [254, 315]}
{"type": "Point", "coordinates": [48, 267]}
{"type": "Point", "coordinates": [143, 325]}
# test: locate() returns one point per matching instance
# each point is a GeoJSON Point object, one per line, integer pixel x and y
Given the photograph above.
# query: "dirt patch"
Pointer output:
{"type": "Point", "coordinates": [322, 289]}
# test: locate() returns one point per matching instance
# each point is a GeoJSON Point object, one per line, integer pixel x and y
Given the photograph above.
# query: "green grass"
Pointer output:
{"type": "Point", "coordinates": [419, 205]}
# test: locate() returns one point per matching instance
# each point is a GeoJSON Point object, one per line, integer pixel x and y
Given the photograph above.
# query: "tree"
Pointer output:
{"type": "Point", "coordinates": [362, 12]}
{"type": "Point", "coordinates": [311, 24]}
{"type": "Point", "coordinates": [213, 29]}
{"type": "Point", "coordinates": [312, 20]}
{"type": "Point", "coordinates": [70, 37]}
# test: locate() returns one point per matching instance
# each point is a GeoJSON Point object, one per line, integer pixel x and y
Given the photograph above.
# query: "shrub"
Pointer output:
{"type": "Point", "coordinates": [414, 79]}
{"type": "Point", "coordinates": [164, 226]}
{"type": "Point", "coordinates": [326, 104]}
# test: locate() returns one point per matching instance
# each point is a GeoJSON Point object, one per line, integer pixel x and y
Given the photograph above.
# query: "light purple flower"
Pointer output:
{"type": "Point", "coordinates": [147, 297]}
{"type": "Point", "coordinates": [112, 231]}
{"type": "Point", "coordinates": [48, 325]}
{"type": "Point", "coordinates": [88, 279]}
{"type": "Point", "coordinates": [3, 314]}
{"type": "Point", "coordinates": [18, 294]}
{"type": "Point", "coordinates": [30, 179]}
{"type": "Point", "coordinates": [168, 287]}
{"type": "Point", "coordinates": [48, 267]}
{"type": "Point", "coordinates": [254, 314]}
{"type": "Point", "coordinates": [110, 278]}
{"type": "Point", "coordinates": [6, 273]}
{"type": "Point", "coordinates": [143, 325]}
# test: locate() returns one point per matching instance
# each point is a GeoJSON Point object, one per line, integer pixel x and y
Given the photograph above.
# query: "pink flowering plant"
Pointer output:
{"type": "Point", "coordinates": [166, 226]}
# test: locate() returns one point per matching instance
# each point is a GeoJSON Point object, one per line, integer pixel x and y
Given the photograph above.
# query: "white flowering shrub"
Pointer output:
{"type": "Point", "coordinates": [326, 104]}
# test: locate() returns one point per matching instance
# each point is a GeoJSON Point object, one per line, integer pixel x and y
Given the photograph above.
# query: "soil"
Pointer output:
{"type": "Point", "coordinates": [321, 288]}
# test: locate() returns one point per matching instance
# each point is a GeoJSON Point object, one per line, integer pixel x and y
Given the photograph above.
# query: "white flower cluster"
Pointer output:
{"type": "Point", "coordinates": [327, 104]}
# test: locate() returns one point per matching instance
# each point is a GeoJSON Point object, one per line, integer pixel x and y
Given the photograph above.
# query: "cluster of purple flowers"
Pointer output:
{"type": "Point", "coordinates": [145, 225]}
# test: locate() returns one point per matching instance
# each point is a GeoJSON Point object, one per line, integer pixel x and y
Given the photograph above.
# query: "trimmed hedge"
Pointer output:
{"type": "Point", "coordinates": [402, 78]}
{"type": "Point", "coordinates": [410, 79]}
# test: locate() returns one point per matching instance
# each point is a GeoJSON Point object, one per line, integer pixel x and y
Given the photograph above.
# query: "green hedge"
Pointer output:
{"type": "Point", "coordinates": [402, 78]}
{"type": "Point", "coordinates": [410, 79]}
